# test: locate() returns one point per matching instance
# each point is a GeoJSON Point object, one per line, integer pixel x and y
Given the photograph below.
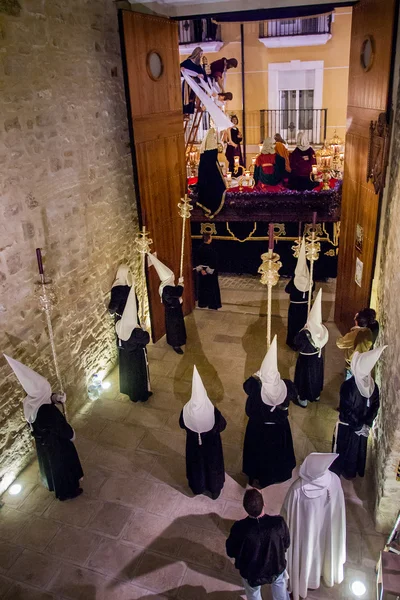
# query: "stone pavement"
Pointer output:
{"type": "Point", "coordinates": [137, 532]}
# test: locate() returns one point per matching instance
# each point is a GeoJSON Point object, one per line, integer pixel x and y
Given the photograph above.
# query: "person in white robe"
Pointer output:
{"type": "Point", "coordinates": [314, 511]}
{"type": "Point", "coordinates": [203, 424]}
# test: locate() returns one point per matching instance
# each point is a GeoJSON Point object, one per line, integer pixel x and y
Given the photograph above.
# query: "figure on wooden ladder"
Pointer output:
{"type": "Point", "coordinates": [171, 297]}
{"type": "Point", "coordinates": [204, 458]}
{"type": "Point", "coordinates": [309, 374]}
{"type": "Point", "coordinates": [298, 288]}
{"type": "Point", "coordinates": [59, 465]}
{"type": "Point", "coordinates": [268, 454]}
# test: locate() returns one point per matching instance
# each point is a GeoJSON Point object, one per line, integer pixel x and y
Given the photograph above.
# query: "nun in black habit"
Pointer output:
{"type": "Point", "coordinates": [359, 405]}
{"type": "Point", "coordinates": [298, 289]}
{"type": "Point", "coordinates": [203, 423]}
{"type": "Point", "coordinates": [208, 292]}
{"type": "Point", "coordinates": [211, 187]}
{"type": "Point", "coordinates": [132, 341]}
{"type": "Point", "coordinates": [309, 374]}
{"type": "Point", "coordinates": [171, 297]}
{"type": "Point", "coordinates": [268, 454]}
{"type": "Point", "coordinates": [59, 465]}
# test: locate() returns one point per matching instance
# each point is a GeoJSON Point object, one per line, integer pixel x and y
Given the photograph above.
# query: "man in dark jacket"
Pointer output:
{"type": "Point", "coordinates": [258, 544]}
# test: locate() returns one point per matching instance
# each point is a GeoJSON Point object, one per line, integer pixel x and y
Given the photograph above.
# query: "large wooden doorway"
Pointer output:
{"type": "Point", "coordinates": [369, 90]}
{"type": "Point", "coordinates": [155, 105]}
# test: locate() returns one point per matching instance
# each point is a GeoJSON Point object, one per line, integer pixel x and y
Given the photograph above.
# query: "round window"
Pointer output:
{"type": "Point", "coordinates": [367, 53]}
{"type": "Point", "coordinates": [155, 66]}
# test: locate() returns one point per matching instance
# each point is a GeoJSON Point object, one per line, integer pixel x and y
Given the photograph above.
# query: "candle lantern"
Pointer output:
{"type": "Point", "coordinates": [322, 171]}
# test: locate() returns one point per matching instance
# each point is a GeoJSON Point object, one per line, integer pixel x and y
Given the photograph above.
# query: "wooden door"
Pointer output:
{"type": "Point", "coordinates": [368, 97]}
{"type": "Point", "coordinates": [155, 108]}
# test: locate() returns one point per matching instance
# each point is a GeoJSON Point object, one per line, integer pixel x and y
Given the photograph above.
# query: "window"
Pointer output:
{"type": "Point", "coordinates": [297, 112]}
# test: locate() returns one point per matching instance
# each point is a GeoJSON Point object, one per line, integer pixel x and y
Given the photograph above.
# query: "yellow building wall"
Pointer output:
{"type": "Point", "coordinates": [334, 54]}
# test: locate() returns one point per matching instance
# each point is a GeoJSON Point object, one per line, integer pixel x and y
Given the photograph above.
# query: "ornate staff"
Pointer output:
{"type": "Point", "coordinates": [270, 276]}
{"type": "Point", "coordinates": [142, 243]}
{"type": "Point", "coordinates": [184, 209]}
{"type": "Point", "coordinates": [313, 248]}
{"type": "Point", "coordinates": [297, 243]}
{"type": "Point", "coordinates": [46, 304]}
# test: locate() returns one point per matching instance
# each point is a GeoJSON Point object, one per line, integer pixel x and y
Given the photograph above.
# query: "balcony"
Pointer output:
{"type": "Point", "coordinates": [289, 122]}
{"type": "Point", "coordinates": [303, 31]}
{"type": "Point", "coordinates": [199, 32]}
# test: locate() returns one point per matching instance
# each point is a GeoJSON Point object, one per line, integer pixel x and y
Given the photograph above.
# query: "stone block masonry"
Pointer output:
{"type": "Point", "coordinates": [66, 186]}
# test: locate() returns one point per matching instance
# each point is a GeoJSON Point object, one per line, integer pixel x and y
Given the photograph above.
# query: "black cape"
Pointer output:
{"type": "Point", "coordinates": [119, 297]}
{"type": "Point", "coordinates": [59, 465]}
{"type": "Point", "coordinates": [297, 313]}
{"type": "Point", "coordinates": [174, 321]}
{"type": "Point", "coordinates": [211, 184]}
{"type": "Point", "coordinates": [268, 453]}
{"type": "Point", "coordinates": [309, 374]}
{"type": "Point", "coordinates": [205, 469]}
{"type": "Point", "coordinates": [208, 292]}
{"type": "Point", "coordinates": [187, 92]}
{"type": "Point", "coordinates": [133, 372]}
{"type": "Point", "coordinates": [352, 448]}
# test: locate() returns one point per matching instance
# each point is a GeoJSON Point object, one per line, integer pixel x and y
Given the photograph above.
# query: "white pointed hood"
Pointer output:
{"type": "Point", "coordinates": [315, 473]}
{"type": "Point", "coordinates": [36, 386]}
{"type": "Point", "coordinates": [273, 389]}
{"type": "Point", "coordinates": [123, 276]}
{"type": "Point", "coordinates": [362, 364]}
{"type": "Point", "coordinates": [301, 273]}
{"type": "Point", "coordinates": [319, 332]}
{"type": "Point", "coordinates": [165, 274]}
{"type": "Point", "coordinates": [198, 413]}
{"type": "Point", "coordinates": [128, 321]}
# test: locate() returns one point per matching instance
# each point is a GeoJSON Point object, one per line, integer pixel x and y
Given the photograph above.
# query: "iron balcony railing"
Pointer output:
{"type": "Point", "coordinates": [301, 26]}
{"type": "Point", "coordinates": [195, 31]}
{"type": "Point", "coordinates": [289, 122]}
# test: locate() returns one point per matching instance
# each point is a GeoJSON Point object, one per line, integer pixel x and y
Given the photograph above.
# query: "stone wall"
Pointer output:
{"type": "Point", "coordinates": [386, 450]}
{"type": "Point", "coordinates": [65, 186]}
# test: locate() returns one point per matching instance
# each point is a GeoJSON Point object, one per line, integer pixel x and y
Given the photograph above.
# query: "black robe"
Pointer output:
{"type": "Point", "coordinates": [133, 371]}
{"type": "Point", "coordinates": [211, 184]}
{"type": "Point", "coordinates": [309, 374]}
{"type": "Point", "coordinates": [174, 321]}
{"type": "Point", "coordinates": [59, 465]}
{"type": "Point", "coordinates": [208, 292]}
{"type": "Point", "coordinates": [119, 297]}
{"type": "Point", "coordinates": [205, 469]}
{"type": "Point", "coordinates": [297, 313]}
{"type": "Point", "coordinates": [188, 95]}
{"type": "Point", "coordinates": [268, 453]}
{"type": "Point", "coordinates": [352, 448]}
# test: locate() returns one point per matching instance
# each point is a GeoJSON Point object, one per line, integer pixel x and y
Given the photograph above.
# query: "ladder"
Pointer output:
{"type": "Point", "coordinates": [195, 124]}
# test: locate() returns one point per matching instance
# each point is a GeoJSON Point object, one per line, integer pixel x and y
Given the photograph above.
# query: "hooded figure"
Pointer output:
{"type": "Point", "coordinates": [131, 342]}
{"type": "Point", "coordinates": [309, 374]}
{"type": "Point", "coordinates": [204, 458]}
{"type": "Point", "coordinates": [193, 67]}
{"type": "Point", "coordinates": [270, 166]}
{"type": "Point", "coordinates": [314, 511]}
{"type": "Point", "coordinates": [120, 291]}
{"type": "Point", "coordinates": [268, 435]}
{"type": "Point", "coordinates": [302, 160]}
{"type": "Point", "coordinates": [211, 185]}
{"type": "Point", "coordinates": [206, 261]}
{"type": "Point", "coordinates": [298, 288]}
{"type": "Point", "coordinates": [59, 465]}
{"type": "Point", "coordinates": [359, 405]}
{"type": "Point", "coordinates": [171, 297]}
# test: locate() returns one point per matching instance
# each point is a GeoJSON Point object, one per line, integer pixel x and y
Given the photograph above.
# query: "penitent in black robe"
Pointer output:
{"type": "Point", "coordinates": [211, 184]}
{"type": "Point", "coordinates": [268, 453]}
{"type": "Point", "coordinates": [355, 412]}
{"type": "Point", "coordinates": [59, 465]}
{"type": "Point", "coordinates": [205, 469]}
{"type": "Point", "coordinates": [309, 374]}
{"type": "Point", "coordinates": [297, 313]}
{"type": "Point", "coordinates": [133, 371]}
{"type": "Point", "coordinates": [174, 321]}
{"type": "Point", "coordinates": [208, 292]}
{"type": "Point", "coordinates": [119, 297]}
